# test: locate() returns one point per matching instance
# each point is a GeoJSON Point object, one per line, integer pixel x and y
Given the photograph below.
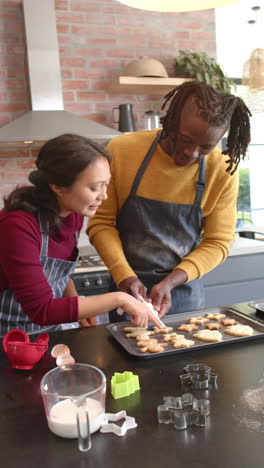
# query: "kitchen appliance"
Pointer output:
{"type": "Point", "coordinates": [125, 120]}
{"type": "Point", "coordinates": [151, 120]}
{"type": "Point", "coordinates": [47, 119]}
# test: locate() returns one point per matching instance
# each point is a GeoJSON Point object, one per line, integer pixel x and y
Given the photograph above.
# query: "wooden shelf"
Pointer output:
{"type": "Point", "coordinates": [144, 85]}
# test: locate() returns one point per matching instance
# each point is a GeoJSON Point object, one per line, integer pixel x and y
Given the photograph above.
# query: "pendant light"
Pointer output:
{"type": "Point", "coordinates": [175, 5]}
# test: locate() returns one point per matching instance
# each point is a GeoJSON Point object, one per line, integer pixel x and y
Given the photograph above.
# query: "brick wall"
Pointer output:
{"type": "Point", "coordinates": [97, 38]}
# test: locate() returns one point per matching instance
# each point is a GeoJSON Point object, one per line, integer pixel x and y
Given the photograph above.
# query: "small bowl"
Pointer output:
{"type": "Point", "coordinates": [15, 335]}
{"type": "Point", "coordinates": [24, 355]}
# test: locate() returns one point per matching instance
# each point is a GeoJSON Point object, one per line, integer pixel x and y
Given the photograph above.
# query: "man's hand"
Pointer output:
{"type": "Point", "coordinates": [161, 293]}
{"type": "Point", "coordinates": [133, 286]}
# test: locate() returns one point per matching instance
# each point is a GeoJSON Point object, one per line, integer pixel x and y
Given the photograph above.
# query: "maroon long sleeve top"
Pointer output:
{"type": "Point", "coordinates": [21, 270]}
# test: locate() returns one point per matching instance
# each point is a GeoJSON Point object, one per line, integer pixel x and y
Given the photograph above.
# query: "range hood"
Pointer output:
{"type": "Point", "coordinates": [47, 118]}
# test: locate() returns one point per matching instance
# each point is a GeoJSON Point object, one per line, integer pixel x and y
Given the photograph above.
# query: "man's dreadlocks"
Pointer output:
{"type": "Point", "coordinates": [216, 108]}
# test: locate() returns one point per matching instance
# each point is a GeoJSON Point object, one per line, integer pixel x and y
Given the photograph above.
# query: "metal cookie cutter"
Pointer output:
{"type": "Point", "coordinates": [199, 376]}
{"type": "Point", "coordinates": [174, 411]}
{"type": "Point", "coordinates": [107, 426]}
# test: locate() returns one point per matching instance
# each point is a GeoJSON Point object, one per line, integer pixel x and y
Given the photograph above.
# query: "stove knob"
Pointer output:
{"type": "Point", "coordinates": [99, 282]}
{"type": "Point", "coordinates": [86, 283]}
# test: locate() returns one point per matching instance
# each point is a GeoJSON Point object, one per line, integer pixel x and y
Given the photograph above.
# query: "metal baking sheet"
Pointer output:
{"type": "Point", "coordinates": [175, 320]}
{"type": "Point", "coordinates": [258, 305]}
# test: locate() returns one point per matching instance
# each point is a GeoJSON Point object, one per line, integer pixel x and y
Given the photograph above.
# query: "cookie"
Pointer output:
{"type": "Point", "coordinates": [239, 330]}
{"type": "Point", "coordinates": [154, 348]}
{"type": "Point", "coordinates": [212, 336]}
{"type": "Point", "coordinates": [170, 336]}
{"type": "Point", "coordinates": [149, 342]}
{"type": "Point", "coordinates": [134, 329]}
{"type": "Point", "coordinates": [187, 327]}
{"type": "Point", "coordinates": [144, 336]}
{"type": "Point", "coordinates": [182, 343]}
{"type": "Point", "coordinates": [213, 326]}
{"type": "Point", "coordinates": [227, 322]}
{"type": "Point", "coordinates": [198, 320]}
{"type": "Point", "coordinates": [139, 333]}
{"type": "Point", "coordinates": [162, 330]}
{"type": "Point", "coordinates": [215, 316]}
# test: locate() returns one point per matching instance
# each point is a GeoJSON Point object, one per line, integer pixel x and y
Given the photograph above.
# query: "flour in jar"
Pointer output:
{"type": "Point", "coordinates": [62, 419]}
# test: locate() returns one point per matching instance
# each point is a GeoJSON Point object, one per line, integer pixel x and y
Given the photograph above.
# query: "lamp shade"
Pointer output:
{"type": "Point", "coordinates": [175, 5]}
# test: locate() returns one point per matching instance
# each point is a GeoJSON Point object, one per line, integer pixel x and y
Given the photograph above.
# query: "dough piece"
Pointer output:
{"type": "Point", "coordinates": [170, 336]}
{"type": "Point", "coordinates": [144, 336]}
{"type": "Point", "coordinates": [228, 322]}
{"type": "Point", "coordinates": [154, 348]}
{"type": "Point", "coordinates": [182, 343]}
{"type": "Point", "coordinates": [215, 316]}
{"type": "Point", "coordinates": [208, 335]}
{"type": "Point", "coordinates": [198, 320]}
{"type": "Point", "coordinates": [162, 330]}
{"type": "Point", "coordinates": [213, 325]}
{"type": "Point", "coordinates": [239, 330]}
{"type": "Point", "coordinates": [149, 342]}
{"type": "Point", "coordinates": [134, 329]}
{"type": "Point", "coordinates": [187, 327]}
{"type": "Point", "coordinates": [139, 333]}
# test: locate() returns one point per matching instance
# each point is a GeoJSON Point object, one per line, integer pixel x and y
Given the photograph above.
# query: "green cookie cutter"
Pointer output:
{"type": "Point", "coordinates": [124, 384]}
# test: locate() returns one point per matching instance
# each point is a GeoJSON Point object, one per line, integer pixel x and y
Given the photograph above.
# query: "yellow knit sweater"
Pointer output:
{"type": "Point", "coordinates": [165, 181]}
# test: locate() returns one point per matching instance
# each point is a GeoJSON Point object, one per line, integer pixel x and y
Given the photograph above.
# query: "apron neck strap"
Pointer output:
{"type": "Point", "coordinates": [200, 184]}
{"type": "Point", "coordinates": [144, 164]}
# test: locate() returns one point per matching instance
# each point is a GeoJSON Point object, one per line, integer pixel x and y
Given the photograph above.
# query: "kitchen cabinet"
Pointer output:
{"type": "Point", "coordinates": [240, 278]}
{"type": "Point", "coordinates": [144, 85]}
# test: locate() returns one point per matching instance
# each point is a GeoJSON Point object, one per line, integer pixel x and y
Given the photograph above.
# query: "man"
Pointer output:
{"type": "Point", "coordinates": [171, 208]}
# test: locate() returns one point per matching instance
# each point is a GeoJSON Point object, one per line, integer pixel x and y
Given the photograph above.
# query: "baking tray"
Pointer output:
{"type": "Point", "coordinates": [258, 305]}
{"type": "Point", "coordinates": [175, 320]}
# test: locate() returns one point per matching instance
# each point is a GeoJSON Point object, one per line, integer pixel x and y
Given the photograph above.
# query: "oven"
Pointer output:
{"type": "Point", "coordinates": [91, 277]}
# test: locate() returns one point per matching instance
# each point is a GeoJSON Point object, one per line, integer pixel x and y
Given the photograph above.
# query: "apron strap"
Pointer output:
{"type": "Point", "coordinates": [200, 184]}
{"type": "Point", "coordinates": [144, 164]}
{"type": "Point", "coordinates": [44, 230]}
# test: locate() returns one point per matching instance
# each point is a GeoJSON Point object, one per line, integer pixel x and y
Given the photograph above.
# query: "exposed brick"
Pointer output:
{"type": "Point", "coordinates": [89, 51]}
{"type": "Point", "coordinates": [62, 4]}
{"type": "Point", "coordinates": [97, 117]}
{"type": "Point", "coordinates": [78, 107]}
{"type": "Point", "coordinates": [75, 84]}
{"type": "Point", "coordinates": [66, 73]}
{"type": "Point", "coordinates": [28, 163]}
{"type": "Point", "coordinates": [12, 84]}
{"type": "Point", "coordinates": [90, 96]}
{"type": "Point", "coordinates": [83, 5]}
{"type": "Point", "coordinates": [86, 74]}
{"type": "Point", "coordinates": [63, 28]}
{"type": "Point", "coordinates": [14, 153]}
{"type": "Point", "coordinates": [13, 107]}
{"type": "Point", "coordinates": [68, 96]}
{"type": "Point", "coordinates": [73, 62]}
{"type": "Point", "coordinates": [70, 18]}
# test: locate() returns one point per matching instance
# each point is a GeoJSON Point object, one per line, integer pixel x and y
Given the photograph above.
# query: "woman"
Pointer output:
{"type": "Point", "coordinates": [39, 229]}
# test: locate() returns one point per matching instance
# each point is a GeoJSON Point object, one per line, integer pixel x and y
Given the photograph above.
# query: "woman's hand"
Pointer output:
{"type": "Point", "coordinates": [140, 313]}
{"type": "Point", "coordinates": [89, 322]}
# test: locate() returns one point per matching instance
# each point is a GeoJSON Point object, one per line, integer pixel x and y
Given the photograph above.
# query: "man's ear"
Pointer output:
{"type": "Point", "coordinates": [57, 190]}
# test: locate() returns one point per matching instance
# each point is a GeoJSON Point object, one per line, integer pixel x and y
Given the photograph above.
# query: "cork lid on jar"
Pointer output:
{"type": "Point", "coordinates": [146, 66]}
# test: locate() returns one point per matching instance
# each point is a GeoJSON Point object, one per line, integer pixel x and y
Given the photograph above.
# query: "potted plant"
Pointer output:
{"type": "Point", "coordinates": [202, 67]}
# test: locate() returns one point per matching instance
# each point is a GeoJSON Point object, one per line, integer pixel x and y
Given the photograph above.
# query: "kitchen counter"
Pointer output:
{"type": "Point", "coordinates": [26, 441]}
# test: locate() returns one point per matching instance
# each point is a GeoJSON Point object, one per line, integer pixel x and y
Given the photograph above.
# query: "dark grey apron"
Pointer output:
{"type": "Point", "coordinates": [57, 272]}
{"type": "Point", "coordinates": [156, 235]}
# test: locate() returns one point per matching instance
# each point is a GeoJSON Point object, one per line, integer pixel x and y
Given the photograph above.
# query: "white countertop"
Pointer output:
{"type": "Point", "coordinates": [245, 246]}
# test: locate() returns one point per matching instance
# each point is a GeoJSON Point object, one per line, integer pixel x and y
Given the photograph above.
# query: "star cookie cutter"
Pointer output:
{"type": "Point", "coordinates": [124, 384]}
{"type": "Point", "coordinates": [107, 426]}
{"type": "Point", "coordinates": [174, 411]}
{"type": "Point", "coordinates": [199, 376]}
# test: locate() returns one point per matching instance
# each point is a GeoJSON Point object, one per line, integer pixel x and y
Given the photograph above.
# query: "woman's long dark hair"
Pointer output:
{"type": "Point", "coordinates": [59, 162]}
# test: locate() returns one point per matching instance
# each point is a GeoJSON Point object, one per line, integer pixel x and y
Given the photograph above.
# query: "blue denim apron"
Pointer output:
{"type": "Point", "coordinates": [57, 272]}
{"type": "Point", "coordinates": [156, 235]}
